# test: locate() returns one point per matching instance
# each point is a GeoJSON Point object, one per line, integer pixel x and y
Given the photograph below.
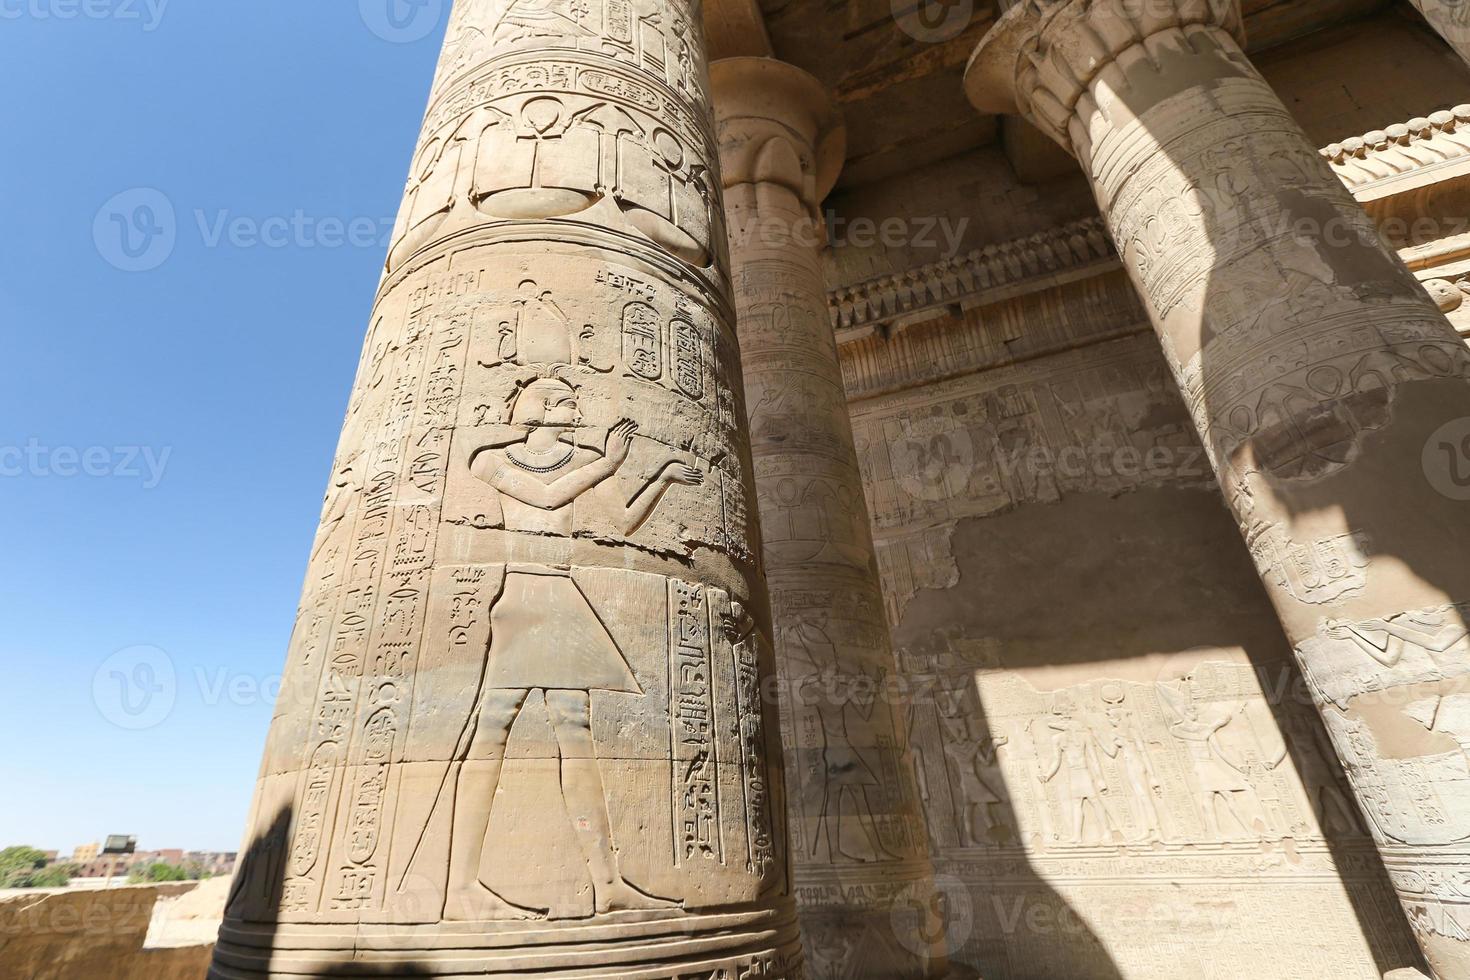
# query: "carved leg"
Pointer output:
{"type": "Point", "coordinates": [474, 797]}
{"type": "Point", "coordinates": [869, 847]}
{"type": "Point", "coordinates": [586, 799]}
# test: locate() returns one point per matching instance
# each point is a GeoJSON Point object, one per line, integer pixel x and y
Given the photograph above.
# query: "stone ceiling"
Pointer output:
{"type": "Point", "coordinates": [902, 96]}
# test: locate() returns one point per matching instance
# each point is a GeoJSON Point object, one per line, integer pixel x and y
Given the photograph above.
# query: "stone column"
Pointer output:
{"type": "Point", "coordinates": [1328, 389]}
{"type": "Point", "coordinates": [854, 812]}
{"type": "Point", "coordinates": [1451, 19]}
{"type": "Point", "coordinates": [523, 728]}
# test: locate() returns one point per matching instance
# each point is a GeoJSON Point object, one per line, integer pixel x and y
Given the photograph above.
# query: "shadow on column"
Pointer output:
{"type": "Point", "coordinates": [256, 895]}
{"type": "Point", "coordinates": [1342, 428]}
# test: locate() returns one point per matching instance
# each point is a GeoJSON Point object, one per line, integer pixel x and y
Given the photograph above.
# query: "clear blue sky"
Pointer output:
{"type": "Point", "coordinates": [223, 373]}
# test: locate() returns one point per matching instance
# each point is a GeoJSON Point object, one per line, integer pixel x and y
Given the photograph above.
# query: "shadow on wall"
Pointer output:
{"type": "Point", "coordinates": [1110, 793]}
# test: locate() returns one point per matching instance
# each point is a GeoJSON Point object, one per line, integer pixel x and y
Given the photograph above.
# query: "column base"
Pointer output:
{"type": "Point", "coordinates": [619, 946]}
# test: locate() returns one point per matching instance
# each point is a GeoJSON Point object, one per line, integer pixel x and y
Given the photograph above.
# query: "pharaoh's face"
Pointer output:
{"type": "Point", "coordinates": [547, 403]}
{"type": "Point", "coordinates": [561, 410]}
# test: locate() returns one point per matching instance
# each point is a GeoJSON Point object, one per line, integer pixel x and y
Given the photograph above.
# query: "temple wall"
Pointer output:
{"type": "Point", "coordinates": [1122, 770]}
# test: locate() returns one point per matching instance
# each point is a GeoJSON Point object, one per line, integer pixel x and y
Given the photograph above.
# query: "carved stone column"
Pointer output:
{"type": "Point", "coordinates": [1451, 19]}
{"type": "Point", "coordinates": [1328, 389]}
{"type": "Point", "coordinates": [854, 811]}
{"type": "Point", "coordinates": [523, 728]}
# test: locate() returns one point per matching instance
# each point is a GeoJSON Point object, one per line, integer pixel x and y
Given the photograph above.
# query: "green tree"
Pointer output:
{"type": "Point", "coordinates": [18, 864]}
{"type": "Point", "coordinates": [25, 867]}
{"type": "Point", "coordinates": [56, 876]}
{"type": "Point", "coordinates": [158, 871]}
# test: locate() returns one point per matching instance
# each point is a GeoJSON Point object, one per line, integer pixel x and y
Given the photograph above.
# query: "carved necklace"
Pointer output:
{"type": "Point", "coordinates": [548, 468]}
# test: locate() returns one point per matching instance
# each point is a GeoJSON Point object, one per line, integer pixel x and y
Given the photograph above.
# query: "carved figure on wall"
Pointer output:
{"type": "Point", "coordinates": [546, 636]}
{"type": "Point", "coordinates": [1082, 782]}
{"type": "Point", "coordinates": [1385, 640]}
{"type": "Point", "coordinates": [1122, 738]}
{"type": "Point", "coordinates": [340, 492]}
{"type": "Point", "coordinates": [1320, 780]}
{"type": "Point", "coordinates": [845, 723]}
{"type": "Point", "coordinates": [538, 18]}
{"type": "Point", "coordinates": [976, 763]}
{"type": "Point", "coordinates": [1219, 777]}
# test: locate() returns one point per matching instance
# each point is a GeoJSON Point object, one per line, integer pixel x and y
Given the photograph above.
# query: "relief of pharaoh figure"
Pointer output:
{"type": "Point", "coordinates": [546, 636]}
{"type": "Point", "coordinates": [1220, 780]}
{"type": "Point", "coordinates": [830, 688]}
{"type": "Point", "coordinates": [975, 756]}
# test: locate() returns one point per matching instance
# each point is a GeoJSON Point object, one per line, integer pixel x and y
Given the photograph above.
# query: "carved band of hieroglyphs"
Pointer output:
{"type": "Point", "coordinates": [568, 74]}
{"type": "Point", "coordinates": [558, 140]}
{"type": "Point", "coordinates": [697, 831]}
{"type": "Point", "coordinates": [654, 40]}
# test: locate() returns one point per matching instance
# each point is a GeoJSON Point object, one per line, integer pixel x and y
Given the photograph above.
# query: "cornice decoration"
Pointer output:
{"type": "Point", "coordinates": [1395, 150]}
{"type": "Point", "coordinates": [1366, 165]}
{"type": "Point", "coordinates": [1013, 267]}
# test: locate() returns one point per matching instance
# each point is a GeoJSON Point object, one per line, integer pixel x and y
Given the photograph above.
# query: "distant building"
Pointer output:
{"type": "Point", "coordinates": [212, 863]}
{"type": "Point", "coordinates": [86, 853]}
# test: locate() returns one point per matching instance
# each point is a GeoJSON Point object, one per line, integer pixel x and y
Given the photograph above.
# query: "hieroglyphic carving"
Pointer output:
{"type": "Point", "coordinates": [697, 831]}
{"type": "Point", "coordinates": [736, 628]}
{"type": "Point", "coordinates": [533, 607]}
{"type": "Point", "coordinates": [556, 139]}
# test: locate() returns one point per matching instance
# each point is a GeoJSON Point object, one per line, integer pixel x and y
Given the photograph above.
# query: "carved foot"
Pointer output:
{"type": "Point", "coordinates": [619, 896]}
{"type": "Point", "coordinates": [478, 903]}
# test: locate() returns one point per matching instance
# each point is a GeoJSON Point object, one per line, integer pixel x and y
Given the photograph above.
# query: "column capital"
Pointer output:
{"type": "Point", "coordinates": [1042, 57]}
{"type": "Point", "coordinates": [759, 101]}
